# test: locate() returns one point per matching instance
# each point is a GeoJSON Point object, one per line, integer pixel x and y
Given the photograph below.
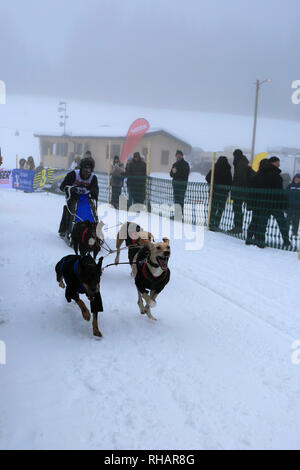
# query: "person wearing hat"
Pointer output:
{"type": "Point", "coordinates": [221, 188]}
{"type": "Point", "coordinates": [180, 174]}
{"type": "Point", "coordinates": [80, 181]}
{"type": "Point", "coordinates": [241, 180]}
{"type": "Point", "coordinates": [268, 203]}
{"type": "Point", "coordinates": [136, 173]}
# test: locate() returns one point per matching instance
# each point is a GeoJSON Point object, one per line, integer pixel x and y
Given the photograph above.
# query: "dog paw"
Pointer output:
{"type": "Point", "coordinates": [149, 314]}
{"type": "Point", "coordinates": [97, 332]}
{"type": "Point", "coordinates": [86, 314]}
{"type": "Point", "coordinates": [61, 284]}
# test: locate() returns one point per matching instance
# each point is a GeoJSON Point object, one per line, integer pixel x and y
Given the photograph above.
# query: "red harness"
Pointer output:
{"type": "Point", "coordinates": [155, 277]}
{"type": "Point", "coordinates": [83, 235]}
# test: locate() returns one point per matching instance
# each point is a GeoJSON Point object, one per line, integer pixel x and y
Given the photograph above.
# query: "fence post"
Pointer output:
{"type": "Point", "coordinates": [211, 188]}
{"type": "Point", "coordinates": [108, 173]}
{"type": "Point", "coordinates": [148, 174]}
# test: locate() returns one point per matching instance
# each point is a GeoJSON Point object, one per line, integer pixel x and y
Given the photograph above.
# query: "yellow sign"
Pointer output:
{"type": "Point", "coordinates": [257, 159]}
{"type": "Point", "coordinates": [43, 176]}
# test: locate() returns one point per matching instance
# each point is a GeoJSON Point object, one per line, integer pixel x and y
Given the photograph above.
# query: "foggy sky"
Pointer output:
{"type": "Point", "coordinates": [193, 54]}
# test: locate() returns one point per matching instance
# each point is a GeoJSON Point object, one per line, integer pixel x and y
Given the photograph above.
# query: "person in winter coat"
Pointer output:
{"type": "Point", "coordinates": [136, 173]}
{"type": "Point", "coordinates": [22, 164]}
{"type": "Point", "coordinates": [267, 203]}
{"type": "Point", "coordinates": [293, 212]}
{"type": "Point", "coordinates": [30, 164]}
{"type": "Point", "coordinates": [76, 182]}
{"type": "Point", "coordinates": [222, 183]}
{"type": "Point", "coordinates": [116, 181]}
{"type": "Point", "coordinates": [75, 165]}
{"type": "Point", "coordinates": [241, 179]}
{"type": "Point", "coordinates": [180, 174]}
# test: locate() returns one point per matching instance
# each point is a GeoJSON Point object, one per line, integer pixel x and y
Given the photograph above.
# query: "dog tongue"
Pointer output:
{"type": "Point", "coordinates": [163, 264]}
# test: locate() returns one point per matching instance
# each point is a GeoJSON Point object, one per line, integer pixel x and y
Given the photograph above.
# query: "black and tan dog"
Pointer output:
{"type": "Point", "coordinates": [81, 274]}
{"type": "Point", "coordinates": [151, 273]}
{"type": "Point", "coordinates": [87, 237]}
{"type": "Point", "coordinates": [135, 238]}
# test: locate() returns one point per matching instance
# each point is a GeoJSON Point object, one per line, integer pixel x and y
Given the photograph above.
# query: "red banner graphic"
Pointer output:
{"type": "Point", "coordinates": [136, 131]}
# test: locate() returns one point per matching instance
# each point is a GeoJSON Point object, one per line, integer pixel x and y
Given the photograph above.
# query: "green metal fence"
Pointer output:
{"type": "Point", "coordinates": [258, 216]}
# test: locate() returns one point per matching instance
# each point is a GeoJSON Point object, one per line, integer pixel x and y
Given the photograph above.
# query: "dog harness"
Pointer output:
{"type": "Point", "coordinates": [80, 289]}
{"type": "Point", "coordinates": [145, 280]}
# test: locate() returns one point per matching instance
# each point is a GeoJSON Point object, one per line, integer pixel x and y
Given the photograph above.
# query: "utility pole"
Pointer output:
{"type": "Point", "coordinates": [257, 84]}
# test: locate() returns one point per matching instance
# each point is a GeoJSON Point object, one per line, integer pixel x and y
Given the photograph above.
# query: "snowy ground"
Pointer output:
{"type": "Point", "coordinates": [214, 372]}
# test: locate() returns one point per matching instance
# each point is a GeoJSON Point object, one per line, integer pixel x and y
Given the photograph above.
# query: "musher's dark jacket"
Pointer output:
{"type": "Point", "coordinates": [70, 179]}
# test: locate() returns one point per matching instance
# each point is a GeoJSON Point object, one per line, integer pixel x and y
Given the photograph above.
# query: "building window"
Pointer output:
{"type": "Point", "coordinates": [62, 149]}
{"type": "Point", "coordinates": [115, 149]}
{"type": "Point", "coordinates": [78, 149]}
{"type": "Point", "coordinates": [47, 147]}
{"type": "Point", "coordinates": [165, 157]}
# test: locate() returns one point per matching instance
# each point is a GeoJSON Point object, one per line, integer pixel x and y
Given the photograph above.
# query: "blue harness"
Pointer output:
{"type": "Point", "coordinates": [80, 290]}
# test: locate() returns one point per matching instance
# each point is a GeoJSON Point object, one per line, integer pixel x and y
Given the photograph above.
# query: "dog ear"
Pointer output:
{"type": "Point", "coordinates": [166, 240]}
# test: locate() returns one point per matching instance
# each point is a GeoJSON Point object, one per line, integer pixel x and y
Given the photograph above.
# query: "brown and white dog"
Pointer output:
{"type": "Point", "coordinates": [135, 238]}
{"type": "Point", "coordinates": [151, 273]}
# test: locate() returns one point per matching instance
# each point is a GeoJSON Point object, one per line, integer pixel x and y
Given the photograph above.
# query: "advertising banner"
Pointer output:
{"type": "Point", "coordinates": [136, 131]}
{"type": "Point", "coordinates": [5, 178]}
{"type": "Point", "coordinates": [23, 179]}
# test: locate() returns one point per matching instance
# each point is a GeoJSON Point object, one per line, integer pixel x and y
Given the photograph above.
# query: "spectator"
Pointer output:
{"type": "Point", "coordinates": [128, 185]}
{"type": "Point", "coordinates": [293, 212]}
{"type": "Point", "coordinates": [286, 180]}
{"type": "Point", "coordinates": [269, 203]}
{"type": "Point", "coordinates": [30, 164]}
{"type": "Point", "coordinates": [136, 179]}
{"type": "Point", "coordinates": [22, 164]}
{"type": "Point", "coordinates": [180, 173]}
{"type": "Point", "coordinates": [75, 165]}
{"type": "Point", "coordinates": [116, 181]}
{"type": "Point", "coordinates": [241, 179]}
{"type": "Point", "coordinates": [222, 178]}
{"type": "Point", "coordinates": [88, 154]}
{"type": "Point", "coordinates": [40, 167]}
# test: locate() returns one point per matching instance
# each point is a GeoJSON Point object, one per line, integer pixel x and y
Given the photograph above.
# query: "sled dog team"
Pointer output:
{"type": "Point", "coordinates": [80, 273]}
